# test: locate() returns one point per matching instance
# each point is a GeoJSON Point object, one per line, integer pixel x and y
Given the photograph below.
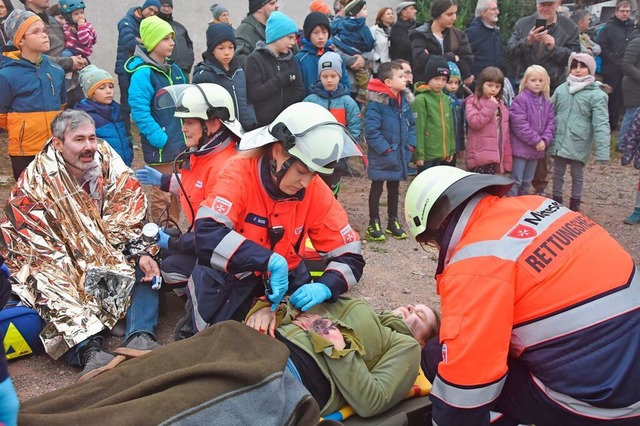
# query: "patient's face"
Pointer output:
{"type": "Point", "coordinates": [420, 319]}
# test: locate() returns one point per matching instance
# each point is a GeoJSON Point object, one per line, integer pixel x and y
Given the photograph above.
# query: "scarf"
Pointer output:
{"type": "Point", "coordinates": [576, 84]}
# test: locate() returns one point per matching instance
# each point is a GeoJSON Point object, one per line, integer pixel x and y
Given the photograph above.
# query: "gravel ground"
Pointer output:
{"type": "Point", "coordinates": [397, 272]}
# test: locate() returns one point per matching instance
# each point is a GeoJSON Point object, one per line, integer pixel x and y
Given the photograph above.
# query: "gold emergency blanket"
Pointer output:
{"type": "Point", "coordinates": [64, 244]}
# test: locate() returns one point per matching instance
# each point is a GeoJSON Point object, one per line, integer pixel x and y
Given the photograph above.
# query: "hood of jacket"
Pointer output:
{"type": "Point", "coordinates": [379, 92]}
{"type": "Point", "coordinates": [263, 46]}
{"type": "Point", "coordinates": [141, 58]}
{"type": "Point", "coordinates": [349, 24]}
{"type": "Point", "coordinates": [111, 111]}
{"type": "Point", "coordinates": [12, 58]}
{"type": "Point", "coordinates": [308, 47]}
{"type": "Point", "coordinates": [318, 89]}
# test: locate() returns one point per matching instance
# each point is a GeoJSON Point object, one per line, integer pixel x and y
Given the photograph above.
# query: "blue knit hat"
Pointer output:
{"type": "Point", "coordinates": [279, 25]}
{"type": "Point", "coordinates": [455, 71]}
{"type": "Point", "coordinates": [149, 3]}
{"type": "Point", "coordinates": [217, 33]}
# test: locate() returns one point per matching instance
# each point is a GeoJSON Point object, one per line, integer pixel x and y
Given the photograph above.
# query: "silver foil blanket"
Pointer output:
{"type": "Point", "coordinates": [64, 239]}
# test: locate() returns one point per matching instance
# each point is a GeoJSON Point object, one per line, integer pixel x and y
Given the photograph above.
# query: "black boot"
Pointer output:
{"type": "Point", "coordinates": [557, 198]}
{"type": "Point", "coordinates": [574, 204]}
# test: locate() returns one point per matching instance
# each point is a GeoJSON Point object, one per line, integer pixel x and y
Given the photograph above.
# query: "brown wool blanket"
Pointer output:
{"type": "Point", "coordinates": [228, 374]}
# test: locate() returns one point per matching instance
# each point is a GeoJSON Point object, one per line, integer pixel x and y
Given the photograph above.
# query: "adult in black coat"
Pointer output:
{"type": "Point", "coordinates": [5, 9]}
{"type": "Point", "coordinates": [400, 47]}
{"type": "Point", "coordinates": [183, 50]}
{"type": "Point", "coordinates": [613, 40]}
{"type": "Point", "coordinates": [455, 46]}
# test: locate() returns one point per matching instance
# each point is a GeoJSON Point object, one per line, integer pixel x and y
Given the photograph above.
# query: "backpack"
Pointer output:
{"type": "Point", "coordinates": [21, 328]}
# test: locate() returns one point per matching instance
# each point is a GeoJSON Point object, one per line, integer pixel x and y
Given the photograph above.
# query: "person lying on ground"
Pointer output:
{"type": "Point", "coordinates": [345, 353]}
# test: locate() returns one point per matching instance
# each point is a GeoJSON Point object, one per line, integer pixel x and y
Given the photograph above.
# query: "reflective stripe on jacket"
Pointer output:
{"type": "Point", "coordinates": [232, 227]}
{"type": "Point", "coordinates": [526, 278]}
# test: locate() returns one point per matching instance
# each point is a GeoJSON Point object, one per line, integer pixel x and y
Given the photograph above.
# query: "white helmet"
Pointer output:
{"type": "Point", "coordinates": [308, 132]}
{"type": "Point", "coordinates": [439, 190]}
{"type": "Point", "coordinates": [203, 101]}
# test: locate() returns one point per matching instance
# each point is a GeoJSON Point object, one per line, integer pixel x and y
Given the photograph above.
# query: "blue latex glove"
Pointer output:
{"type": "Point", "coordinates": [9, 403]}
{"type": "Point", "coordinates": [309, 295]}
{"type": "Point", "coordinates": [149, 176]}
{"type": "Point", "coordinates": [163, 239]}
{"type": "Point", "coordinates": [278, 278]}
{"type": "Point", "coordinates": [5, 270]}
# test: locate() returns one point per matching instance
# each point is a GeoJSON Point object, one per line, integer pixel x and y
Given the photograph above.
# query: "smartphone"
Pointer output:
{"type": "Point", "coordinates": [541, 23]}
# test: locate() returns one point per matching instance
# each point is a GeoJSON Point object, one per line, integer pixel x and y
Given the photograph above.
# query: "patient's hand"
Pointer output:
{"type": "Point", "coordinates": [324, 327]}
{"type": "Point", "coordinates": [264, 321]}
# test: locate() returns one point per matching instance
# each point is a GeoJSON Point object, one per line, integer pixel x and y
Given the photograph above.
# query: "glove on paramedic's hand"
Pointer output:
{"type": "Point", "coordinates": [149, 176]}
{"type": "Point", "coordinates": [279, 279]}
{"type": "Point", "coordinates": [309, 295]}
{"type": "Point", "coordinates": [163, 239]}
{"type": "Point", "coordinates": [9, 403]}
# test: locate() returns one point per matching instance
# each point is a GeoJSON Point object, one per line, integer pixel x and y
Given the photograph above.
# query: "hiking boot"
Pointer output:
{"type": "Point", "coordinates": [184, 326]}
{"type": "Point", "coordinates": [374, 231]}
{"type": "Point", "coordinates": [141, 341]}
{"type": "Point", "coordinates": [94, 360]}
{"type": "Point", "coordinates": [394, 228]}
{"type": "Point", "coordinates": [574, 204]}
{"type": "Point", "coordinates": [633, 218]}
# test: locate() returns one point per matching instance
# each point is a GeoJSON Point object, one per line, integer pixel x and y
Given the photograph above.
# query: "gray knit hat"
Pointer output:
{"type": "Point", "coordinates": [330, 61]}
{"type": "Point", "coordinates": [217, 10]}
{"type": "Point", "coordinates": [17, 24]}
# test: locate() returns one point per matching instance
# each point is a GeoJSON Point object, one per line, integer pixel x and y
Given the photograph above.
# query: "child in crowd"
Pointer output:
{"type": "Point", "coordinates": [220, 15]}
{"type": "Point", "coordinates": [488, 147]}
{"type": "Point", "coordinates": [316, 41]}
{"type": "Point", "coordinates": [160, 132]}
{"type": "Point", "coordinates": [631, 154]}
{"type": "Point", "coordinates": [582, 119]}
{"type": "Point", "coordinates": [451, 89]}
{"type": "Point", "coordinates": [532, 123]}
{"type": "Point", "coordinates": [80, 37]}
{"type": "Point", "coordinates": [274, 80]}
{"type": "Point", "coordinates": [435, 144]}
{"type": "Point", "coordinates": [221, 68]}
{"type": "Point", "coordinates": [390, 131]}
{"type": "Point", "coordinates": [98, 87]}
{"type": "Point", "coordinates": [32, 88]}
{"type": "Point", "coordinates": [352, 36]}
{"type": "Point", "coordinates": [329, 92]}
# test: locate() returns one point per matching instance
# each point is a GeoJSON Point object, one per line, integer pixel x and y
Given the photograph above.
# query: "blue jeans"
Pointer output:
{"type": "Point", "coordinates": [626, 122]}
{"type": "Point", "coordinates": [142, 315]}
{"type": "Point", "coordinates": [522, 174]}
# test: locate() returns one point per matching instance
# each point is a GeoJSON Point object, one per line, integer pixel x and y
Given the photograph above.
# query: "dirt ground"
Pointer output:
{"type": "Point", "coordinates": [397, 272]}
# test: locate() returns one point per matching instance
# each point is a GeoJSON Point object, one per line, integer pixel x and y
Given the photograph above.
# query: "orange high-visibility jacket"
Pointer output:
{"type": "Point", "coordinates": [526, 278]}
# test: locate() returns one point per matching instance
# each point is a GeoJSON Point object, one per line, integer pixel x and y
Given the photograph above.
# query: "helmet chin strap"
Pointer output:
{"type": "Point", "coordinates": [279, 174]}
{"type": "Point", "coordinates": [205, 134]}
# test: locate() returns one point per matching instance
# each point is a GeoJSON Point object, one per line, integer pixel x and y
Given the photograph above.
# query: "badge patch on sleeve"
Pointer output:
{"type": "Point", "coordinates": [348, 235]}
{"type": "Point", "coordinates": [221, 205]}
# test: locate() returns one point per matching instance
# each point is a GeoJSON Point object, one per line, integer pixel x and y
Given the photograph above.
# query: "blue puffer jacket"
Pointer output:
{"type": "Point", "coordinates": [128, 30]}
{"type": "Point", "coordinates": [390, 132]}
{"type": "Point", "coordinates": [160, 133]}
{"type": "Point", "coordinates": [340, 104]}
{"type": "Point", "coordinates": [109, 126]}
{"type": "Point", "coordinates": [352, 36]}
{"type": "Point", "coordinates": [235, 81]}
{"type": "Point", "coordinates": [309, 56]}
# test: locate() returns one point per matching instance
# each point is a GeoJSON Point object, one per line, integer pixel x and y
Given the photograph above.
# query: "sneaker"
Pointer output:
{"type": "Point", "coordinates": [95, 360]}
{"type": "Point", "coordinates": [633, 218]}
{"type": "Point", "coordinates": [394, 228]}
{"type": "Point", "coordinates": [374, 231]}
{"type": "Point", "coordinates": [141, 341]}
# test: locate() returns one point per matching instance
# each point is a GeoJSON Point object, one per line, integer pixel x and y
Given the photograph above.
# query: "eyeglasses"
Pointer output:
{"type": "Point", "coordinates": [38, 32]}
{"type": "Point", "coordinates": [408, 72]}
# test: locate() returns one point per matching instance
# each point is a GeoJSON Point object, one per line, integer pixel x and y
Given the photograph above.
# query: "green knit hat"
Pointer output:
{"type": "Point", "coordinates": [152, 30]}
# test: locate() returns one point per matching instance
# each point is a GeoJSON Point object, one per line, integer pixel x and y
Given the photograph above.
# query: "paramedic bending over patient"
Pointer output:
{"type": "Point", "coordinates": [265, 203]}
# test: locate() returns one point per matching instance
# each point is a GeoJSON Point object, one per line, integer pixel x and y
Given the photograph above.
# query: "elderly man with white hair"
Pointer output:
{"type": "Point", "coordinates": [484, 37]}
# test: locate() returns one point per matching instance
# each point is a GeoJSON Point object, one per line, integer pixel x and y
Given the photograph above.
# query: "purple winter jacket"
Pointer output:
{"type": "Point", "coordinates": [531, 119]}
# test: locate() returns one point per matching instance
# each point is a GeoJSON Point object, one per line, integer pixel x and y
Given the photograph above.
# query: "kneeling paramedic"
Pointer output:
{"type": "Point", "coordinates": [252, 227]}
{"type": "Point", "coordinates": [540, 307]}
